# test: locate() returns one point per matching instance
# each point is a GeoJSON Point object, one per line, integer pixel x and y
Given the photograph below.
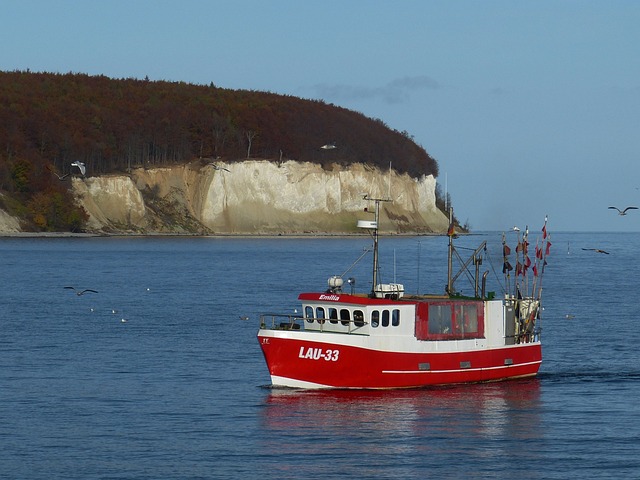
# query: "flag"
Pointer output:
{"type": "Point", "coordinates": [519, 247]}
{"type": "Point", "coordinates": [518, 268]}
{"type": "Point", "coordinates": [451, 232]}
{"type": "Point", "coordinates": [548, 247]}
{"type": "Point", "coordinates": [506, 267]}
{"type": "Point", "coordinates": [527, 262]}
{"type": "Point", "coordinates": [544, 231]}
{"type": "Point", "coordinates": [538, 252]}
{"type": "Point", "coordinates": [506, 251]}
{"type": "Point", "coordinates": [535, 270]}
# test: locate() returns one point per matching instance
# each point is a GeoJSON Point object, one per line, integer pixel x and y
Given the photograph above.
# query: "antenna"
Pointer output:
{"type": "Point", "coordinates": [418, 271]}
{"type": "Point", "coordinates": [394, 265]}
{"type": "Point", "coordinates": [446, 207]}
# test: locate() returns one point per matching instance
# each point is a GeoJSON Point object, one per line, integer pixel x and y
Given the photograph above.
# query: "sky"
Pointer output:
{"type": "Point", "coordinates": [531, 108]}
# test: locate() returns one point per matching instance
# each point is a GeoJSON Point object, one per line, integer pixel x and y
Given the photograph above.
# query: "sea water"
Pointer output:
{"type": "Point", "coordinates": [158, 375]}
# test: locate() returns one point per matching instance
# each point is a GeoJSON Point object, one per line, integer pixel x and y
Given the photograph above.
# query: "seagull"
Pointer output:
{"type": "Point", "coordinates": [218, 167]}
{"type": "Point", "coordinates": [328, 146]}
{"type": "Point", "coordinates": [60, 177]}
{"type": "Point", "coordinates": [244, 317]}
{"type": "Point", "coordinates": [596, 250]}
{"type": "Point", "coordinates": [569, 316]}
{"type": "Point", "coordinates": [80, 165]}
{"type": "Point", "coordinates": [623, 212]}
{"type": "Point", "coordinates": [516, 229]}
{"type": "Point", "coordinates": [82, 292]}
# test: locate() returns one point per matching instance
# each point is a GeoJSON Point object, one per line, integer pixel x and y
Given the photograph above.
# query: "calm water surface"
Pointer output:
{"type": "Point", "coordinates": [179, 389]}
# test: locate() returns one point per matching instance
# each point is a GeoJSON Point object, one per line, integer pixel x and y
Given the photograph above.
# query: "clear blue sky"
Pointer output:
{"type": "Point", "coordinates": [529, 107]}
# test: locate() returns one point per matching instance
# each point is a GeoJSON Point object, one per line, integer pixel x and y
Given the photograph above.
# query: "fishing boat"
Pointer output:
{"type": "Point", "coordinates": [387, 338]}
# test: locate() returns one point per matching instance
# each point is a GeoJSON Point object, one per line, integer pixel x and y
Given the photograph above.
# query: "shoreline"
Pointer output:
{"type": "Point", "coordinates": [211, 235]}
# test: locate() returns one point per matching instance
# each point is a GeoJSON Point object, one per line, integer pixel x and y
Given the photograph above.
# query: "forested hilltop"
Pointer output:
{"type": "Point", "coordinates": [48, 121]}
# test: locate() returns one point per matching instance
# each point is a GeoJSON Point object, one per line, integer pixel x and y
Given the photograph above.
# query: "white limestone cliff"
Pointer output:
{"type": "Point", "coordinates": [256, 197]}
{"type": "Point", "coordinates": [8, 224]}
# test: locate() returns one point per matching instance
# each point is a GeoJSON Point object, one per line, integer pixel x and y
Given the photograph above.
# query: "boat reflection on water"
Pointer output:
{"type": "Point", "coordinates": [485, 421]}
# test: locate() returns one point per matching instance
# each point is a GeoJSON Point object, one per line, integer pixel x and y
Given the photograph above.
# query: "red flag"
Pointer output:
{"type": "Point", "coordinates": [518, 269]}
{"type": "Point", "coordinates": [548, 247]}
{"type": "Point", "coordinates": [527, 263]}
{"type": "Point", "coordinates": [538, 252]}
{"type": "Point", "coordinates": [506, 267]}
{"type": "Point", "coordinates": [544, 231]}
{"type": "Point", "coordinates": [535, 270]}
{"type": "Point", "coordinates": [519, 247]}
{"type": "Point", "coordinates": [525, 247]}
{"type": "Point", "coordinates": [506, 251]}
{"type": "Point", "coordinates": [451, 232]}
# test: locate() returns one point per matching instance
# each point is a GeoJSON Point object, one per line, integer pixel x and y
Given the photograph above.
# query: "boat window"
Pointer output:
{"type": "Point", "coordinates": [449, 320]}
{"type": "Point", "coordinates": [385, 318]}
{"type": "Point", "coordinates": [308, 312]}
{"type": "Point", "coordinates": [345, 316]}
{"type": "Point", "coordinates": [320, 314]}
{"type": "Point", "coordinates": [375, 318]}
{"type": "Point", "coordinates": [333, 315]}
{"type": "Point", "coordinates": [358, 318]}
{"type": "Point", "coordinates": [395, 317]}
{"type": "Point", "coordinates": [439, 319]}
{"type": "Point", "coordinates": [466, 319]}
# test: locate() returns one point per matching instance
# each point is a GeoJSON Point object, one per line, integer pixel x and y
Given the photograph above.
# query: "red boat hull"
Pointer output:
{"type": "Point", "coordinates": [295, 362]}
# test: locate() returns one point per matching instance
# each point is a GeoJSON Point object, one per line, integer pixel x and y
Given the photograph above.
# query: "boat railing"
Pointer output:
{"type": "Point", "coordinates": [283, 321]}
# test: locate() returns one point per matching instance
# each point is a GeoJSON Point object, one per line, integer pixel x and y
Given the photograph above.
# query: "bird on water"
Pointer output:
{"type": "Point", "coordinates": [81, 292]}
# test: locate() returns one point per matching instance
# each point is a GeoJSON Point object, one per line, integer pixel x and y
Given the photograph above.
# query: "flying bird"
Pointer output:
{"type": "Point", "coordinates": [60, 177]}
{"type": "Point", "coordinates": [328, 146]}
{"type": "Point", "coordinates": [81, 292]}
{"type": "Point", "coordinates": [623, 212]}
{"type": "Point", "coordinates": [80, 165]}
{"type": "Point", "coordinates": [596, 250]}
{"type": "Point", "coordinates": [218, 167]}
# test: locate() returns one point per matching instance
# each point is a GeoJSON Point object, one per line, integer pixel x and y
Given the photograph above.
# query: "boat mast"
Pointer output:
{"type": "Point", "coordinates": [375, 247]}
{"type": "Point", "coordinates": [375, 239]}
{"type": "Point", "coordinates": [450, 254]}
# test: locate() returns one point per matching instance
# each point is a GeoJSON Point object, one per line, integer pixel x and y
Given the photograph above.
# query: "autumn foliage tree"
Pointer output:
{"type": "Point", "coordinates": [49, 120]}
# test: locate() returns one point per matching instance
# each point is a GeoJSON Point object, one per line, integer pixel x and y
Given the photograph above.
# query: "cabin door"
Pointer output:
{"type": "Point", "coordinates": [422, 318]}
{"type": "Point", "coordinates": [510, 324]}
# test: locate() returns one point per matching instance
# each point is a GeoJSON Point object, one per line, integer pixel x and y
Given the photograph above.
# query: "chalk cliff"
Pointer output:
{"type": "Point", "coordinates": [256, 197]}
{"type": "Point", "coordinates": [8, 224]}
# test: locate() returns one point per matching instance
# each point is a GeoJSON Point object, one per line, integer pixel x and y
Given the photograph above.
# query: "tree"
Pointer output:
{"type": "Point", "coordinates": [250, 134]}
